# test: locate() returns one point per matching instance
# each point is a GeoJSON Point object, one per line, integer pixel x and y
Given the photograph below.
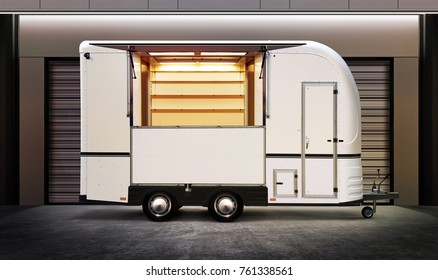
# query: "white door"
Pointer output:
{"type": "Point", "coordinates": [319, 139]}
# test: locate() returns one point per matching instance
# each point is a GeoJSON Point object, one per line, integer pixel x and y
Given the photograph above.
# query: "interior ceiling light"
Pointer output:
{"type": "Point", "coordinates": [177, 63]}
{"type": "Point", "coordinates": [218, 62]}
{"type": "Point", "coordinates": [172, 53]}
{"type": "Point", "coordinates": [223, 53]}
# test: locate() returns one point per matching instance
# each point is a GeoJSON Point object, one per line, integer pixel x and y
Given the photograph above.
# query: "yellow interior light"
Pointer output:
{"type": "Point", "coordinates": [218, 62]}
{"type": "Point", "coordinates": [223, 53]}
{"type": "Point", "coordinates": [172, 53]}
{"type": "Point", "coordinates": [177, 63]}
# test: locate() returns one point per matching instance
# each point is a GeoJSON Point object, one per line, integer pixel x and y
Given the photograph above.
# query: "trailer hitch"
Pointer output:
{"type": "Point", "coordinates": [376, 194]}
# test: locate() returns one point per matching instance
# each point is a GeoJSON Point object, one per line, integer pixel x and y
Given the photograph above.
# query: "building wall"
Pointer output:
{"type": "Point", "coordinates": [32, 131]}
{"type": "Point", "coordinates": [351, 35]}
{"type": "Point", "coordinates": [215, 5]}
{"type": "Point", "coordinates": [8, 112]}
{"type": "Point", "coordinates": [406, 146]}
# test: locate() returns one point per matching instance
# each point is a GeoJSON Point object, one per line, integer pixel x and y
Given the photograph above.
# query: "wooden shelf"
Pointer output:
{"type": "Point", "coordinates": [197, 82]}
{"type": "Point", "coordinates": [198, 110]}
{"type": "Point", "coordinates": [200, 96]}
{"type": "Point", "coordinates": [197, 72]}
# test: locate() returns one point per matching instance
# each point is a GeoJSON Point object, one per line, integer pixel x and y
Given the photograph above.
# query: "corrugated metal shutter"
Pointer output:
{"type": "Point", "coordinates": [373, 79]}
{"type": "Point", "coordinates": [63, 131]}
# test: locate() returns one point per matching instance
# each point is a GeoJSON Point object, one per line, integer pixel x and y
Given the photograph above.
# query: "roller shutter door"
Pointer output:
{"type": "Point", "coordinates": [63, 131]}
{"type": "Point", "coordinates": [373, 78]}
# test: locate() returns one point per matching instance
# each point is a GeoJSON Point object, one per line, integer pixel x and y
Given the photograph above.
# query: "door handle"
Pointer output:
{"type": "Point", "coordinates": [307, 142]}
{"type": "Point", "coordinates": [279, 183]}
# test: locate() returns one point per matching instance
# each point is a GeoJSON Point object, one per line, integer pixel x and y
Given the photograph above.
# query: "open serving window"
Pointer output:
{"type": "Point", "coordinates": [197, 89]}
{"type": "Point", "coordinates": [196, 85]}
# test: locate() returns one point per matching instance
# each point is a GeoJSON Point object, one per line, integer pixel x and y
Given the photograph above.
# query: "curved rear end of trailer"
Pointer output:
{"type": "Point", "coordinates": [313, 128]}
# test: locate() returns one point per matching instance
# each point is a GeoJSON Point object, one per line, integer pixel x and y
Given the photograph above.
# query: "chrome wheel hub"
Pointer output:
{"type": "Point", "coordinates": [159, 205]}
{"type": "Point", "coordinates": [225, 206]}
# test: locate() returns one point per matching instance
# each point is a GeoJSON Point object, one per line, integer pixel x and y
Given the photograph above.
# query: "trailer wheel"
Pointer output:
{"type": "Point", "coordinates": [225, 207]}
{"type": "Point", "coordinates": [367, 212]}
{"type": "Point", "coordinates": [159, 206]}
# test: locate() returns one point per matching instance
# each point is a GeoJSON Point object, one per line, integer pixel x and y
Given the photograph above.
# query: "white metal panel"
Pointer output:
{"type": "Point", "coordinates": [198, 155]}
{"type": "Point", "coordinates": [319, 178]}
{"type": "Point", "coordinates": [107, 178]}
{"type": "Point", "coordinates": [350, 180]}
{"type": "Point", "coordinates": [104, 97]}
{"type": "Point", "coordinates": [287, 71]}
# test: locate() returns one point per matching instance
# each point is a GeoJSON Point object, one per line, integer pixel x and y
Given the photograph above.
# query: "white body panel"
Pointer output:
{"type": "Point", "coordinates": [198, 155]}
{"type": "Point", "coordinates": [287, 70]}
{"type": "Point", "coordinates": [318, 178]}
{"type": "Point", "coordinates": [349, 182]}
{"type": "Point", "coordinates": [107, 178]}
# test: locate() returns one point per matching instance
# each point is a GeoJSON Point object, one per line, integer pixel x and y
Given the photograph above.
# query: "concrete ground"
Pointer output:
{"type": "Point", "coordinates": [304, 233]}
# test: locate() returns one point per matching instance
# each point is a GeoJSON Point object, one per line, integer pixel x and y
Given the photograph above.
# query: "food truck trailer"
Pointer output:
{"type": "Point", "coordinates": [219, 124]}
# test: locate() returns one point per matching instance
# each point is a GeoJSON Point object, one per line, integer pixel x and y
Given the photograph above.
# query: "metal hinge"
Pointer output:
{"type": "Point", "coordinates": [335, 91]}
{"type": "Point", "coordinates": [335, 190]}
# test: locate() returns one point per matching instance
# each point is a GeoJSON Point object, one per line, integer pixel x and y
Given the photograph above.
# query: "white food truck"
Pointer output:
{"type": "Point", "coordinates": [220, 124]}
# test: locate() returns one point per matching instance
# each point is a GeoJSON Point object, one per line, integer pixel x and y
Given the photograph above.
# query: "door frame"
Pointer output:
{"type": "Point", "coordinates": [334, 140]}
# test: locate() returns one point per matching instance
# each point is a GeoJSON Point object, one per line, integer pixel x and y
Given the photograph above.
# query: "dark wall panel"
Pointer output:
{"type": "Point", "coordinates": [8, 113]}
{"type": "Point", "coordinates": [429, 114]}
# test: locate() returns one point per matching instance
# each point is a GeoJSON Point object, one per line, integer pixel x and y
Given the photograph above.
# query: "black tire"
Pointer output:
{"type": "Point", "coordinates": [367, 212]}
{"type": "Point", "coordinates": [159, 206]}
{"type": "Point", "coordinates": [225, 206]}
